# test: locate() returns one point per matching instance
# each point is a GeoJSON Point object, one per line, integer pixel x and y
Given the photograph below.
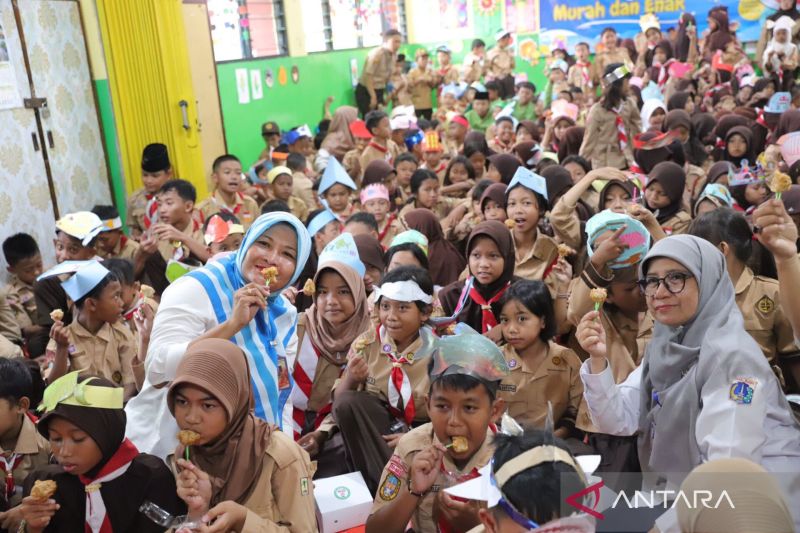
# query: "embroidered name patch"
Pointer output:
{"type": "Point", "coordinates": [397, 467]}
{"type": "Point", "coordinates": [508, 388]}
{"type": "Point", "coordinates": [742, 390]}
{"type": "Point", "coordinates": [390, 488]}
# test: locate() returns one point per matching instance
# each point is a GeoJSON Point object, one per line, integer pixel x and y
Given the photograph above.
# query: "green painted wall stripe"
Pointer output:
{"type": "Point", "coordinates": [111, 142]}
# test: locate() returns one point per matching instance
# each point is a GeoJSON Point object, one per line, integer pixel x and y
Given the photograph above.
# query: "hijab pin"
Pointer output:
{"type": "Point", "coordinates": [656, 399]}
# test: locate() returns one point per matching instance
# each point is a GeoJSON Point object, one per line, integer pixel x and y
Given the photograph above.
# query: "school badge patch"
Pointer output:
{"type": "Point", "coordinates": [742, 390]}
{"type": "Point", "coordinates": [766, 305]}
{"type": "Point", "coordinates": [390, 488]}
{"type": "Point", "coordinates": [304, 486]}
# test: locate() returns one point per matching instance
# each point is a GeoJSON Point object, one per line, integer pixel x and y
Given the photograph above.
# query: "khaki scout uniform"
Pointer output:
{"type": "Point", "coordinates": [374, 151]}
{"type": "Point", "coordinates": [554, 376]}
{"type": "Point", "coordinates": [108, 354]}
{"type": "Point", "coordinates": [302, 188]}
{"type": "Point", "coordinates": [125, 249]}
{"type": "Point", "coordinates": [137, 207]}
{"type": "Point", "coordinates": [245, 208]}
{"type": "Point", "coordinates": [397, 472]}
{"type": "Point", "coordinates": [421, 83]}
{"type": "Point", "coordinates": [758, 299]}
{"type": "Point", "coordinates": [677, 224]}
{"type": "Point", "coordinates": [31, 452]}
{"type": "Point", "coordinates": [22, 301]}
{"type": "Point", "coordinates": [447, 75]}
{"type": "Point", "coordinates": [500, 63]}
{"type": "Point", "coordinates": [182, 252]}
{"type": "Point", "coordinates": [379, 367]}
{"type": "Point", "coordinates": [392, 227]}
{"type": "Point", "coordinates": [298, 207]}
{"type": "Point", "coordinates": [9, 328]}
{"type": "Point", "coordinates": [378, 67]}
{"type": "Point", "coordinates": [538, 260]}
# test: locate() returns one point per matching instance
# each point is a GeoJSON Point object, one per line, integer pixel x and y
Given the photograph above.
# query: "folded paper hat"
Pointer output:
{"type": "Point", "coordinates": [468, 353]}
{"type": "Point", "coordinates": [403, 110]}
{"type": "Point", "coordinates": [402, 122]}
{"type": "Point", "coordinates": [411, 236]}
{"type": "Point", "coordinates": [559, 64]}
{"type": "Point", "coordinates": [67, 391]}
{"type": "Point", "coordinates": [86, 275]}
{"type": "Point", "coordinates": [413, 138]}
{"type": "Point", "coordinates": [83, 225]}
{"type": "Point", "coordinates": [678, 70]}
{"type": "Point", "coordinates": [652, 92]}
{"type": "Point", "coordinates": [562, 109]}
{"type": "Point", "coordinates": [635, 236]}
{"type": "Point", "coordinates": [376, 191]}
{"type": "Point", "coordinates": [456, 89]}
{"type": "Point", "coordinates": [259, 166]}
{"type": "Point", "coordinates": [779, 102]}
{"type": "Point", "coordinates": [648, 22]}
{"type": "Point", "coordinates": [359, 129]}
{"type": "Point", "coordinates": [322, 219]}
{"type": "Point", "coordinates": [790, 147]}
{"type": "Point", "coordinates": [110, 224]}
{"type": "Point", "coordinates": [335, 173]}
{"type": "Point", "coordinates": [530, 180]}
{"type": "Point", "coordinates": [278, 171]}
{"type": "Point", "coordinates": [499, 34]}
{"type": "Point", "coordinates": [716, 193]}
{"type": "Point", "coordinates": [219, 229]}
{"type": "Point", "coordinates": [343, 250]}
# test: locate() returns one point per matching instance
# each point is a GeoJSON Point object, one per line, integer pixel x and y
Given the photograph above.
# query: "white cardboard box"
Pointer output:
{"type": "Point", "coordinates": [342, 502]}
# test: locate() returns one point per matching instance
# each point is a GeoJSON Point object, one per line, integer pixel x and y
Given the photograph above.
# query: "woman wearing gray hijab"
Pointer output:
{"type": "Point", "coordinates": [704, 389]}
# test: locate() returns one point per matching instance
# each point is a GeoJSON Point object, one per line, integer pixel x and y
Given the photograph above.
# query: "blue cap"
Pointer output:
{"type": "Point", "coordinates": [86, 276]}
{"type": "Point", "coordinates": [343, 250]}
{"type": "Point", "coordinates": [335, 173]}
{"type": "Point", "coordinates": [320, 221]}
{"type": "Point", "coordinates": [414, 138]}
{"type": "Point", "coordinates": [530, 180]}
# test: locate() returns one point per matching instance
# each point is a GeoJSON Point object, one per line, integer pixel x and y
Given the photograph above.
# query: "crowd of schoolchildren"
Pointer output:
{"type": "Point", "coordinates": [489, 280]}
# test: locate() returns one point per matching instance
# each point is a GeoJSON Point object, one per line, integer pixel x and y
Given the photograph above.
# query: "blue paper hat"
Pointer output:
{"type": "Point", "coordinates": [292, 136]}
{"type": "Point", "coordinates": [86, 276]}
{"type": "Point", "coordinates": [635, 236]}
{"type": "Point", "coordinates": [530, 180]}
{"type": "Point", "coordinates": [253, 175]}
{"type": "Point", "coordinates": [779, 103]}
{"type": "Point", "coordinates": [411, 236]}
{"type": "Point", "coordinates": [335, 173]}
{"type": "Point", "coordinates": [718, 191]}
{"type": "Point", "coordinates": [343, 250]}
{"type": "Point", "coordinates": [652, 92]}
{"type": "Point", "coordinates": [456, 89]}
{"type": "Point", "coordinates": [413, 138]}
{"type": "Point", "coordinates": [320, 221]}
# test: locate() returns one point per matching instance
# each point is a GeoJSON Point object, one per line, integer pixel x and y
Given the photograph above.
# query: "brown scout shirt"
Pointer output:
{"type": "Point", "coordinates": [245, 209]}
{"type": "Point", "coordinates": [125, 249]}
{"type": "Point", "coordinates": [373, 152]}
{"type": "Point", "coordinates": [35, 452]}
{"type": "Point", "coordinates": [9, 327]}
{"type": "Point", "coordinates": [677, 224]}
{"type": "Point", "coordinates": [302, 189]}
{"type": "Point", "coordinates": [298, 208]}
{"type": "Point", "coordinates": [380, 368]}
{"type": "Point", "coordinates": [553, 377]}
{"type": "Point", "coordinates": [397, 472]}
{"type": "Point", "coordinates": [108, 354]}
{"type": "Point", "coordinates": [137, 205]}
{"type": "Point", "coordinates": [22, 301]}
{"type": "Point", "coordinates": [500, 63]}
{"type": "Point", "coordinates": [390, 229]}
{"type": "Point", "coordinates": [538, 260]}
{"type": "Point", "coordinates": [194, 230]}
{"type": "Point", "coordinates": [378, 67]}
{"type": "Point", "coordinates": [421, 84]}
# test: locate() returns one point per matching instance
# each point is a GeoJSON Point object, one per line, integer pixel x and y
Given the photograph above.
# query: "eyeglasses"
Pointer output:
{"type": "Point", "coordinates": [675, 282]}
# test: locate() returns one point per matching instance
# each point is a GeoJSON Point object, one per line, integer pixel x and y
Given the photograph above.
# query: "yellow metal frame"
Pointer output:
{"type": "Point", "coordinates": [149, 74]}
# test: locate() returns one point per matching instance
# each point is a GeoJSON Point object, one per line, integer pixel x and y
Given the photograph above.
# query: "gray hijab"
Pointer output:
{"type": "Point", "coordinates": [678, 361]}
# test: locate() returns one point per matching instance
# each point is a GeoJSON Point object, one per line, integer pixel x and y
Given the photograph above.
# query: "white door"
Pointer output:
{"type": "Point", "coordinates": [60, 70]}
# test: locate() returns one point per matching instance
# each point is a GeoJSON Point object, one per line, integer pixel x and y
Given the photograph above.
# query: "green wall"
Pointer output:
{"type": "Point", "coordinates": [111, 143]}
{"type": "Point", "coordinates": [321, 75]}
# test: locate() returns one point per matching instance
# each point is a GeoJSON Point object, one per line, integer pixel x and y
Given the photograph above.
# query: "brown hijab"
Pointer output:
{"type": "Point", "coordinates": [333, 341]}
{"type": "Point", "coordinates": [571, 144]}
{"type": "Point", "coordinates": [370, 251]}
{"type": "Point", "coordinates": [339, 140]}
{"type": "Point", "coordinates": [506, 165]}
{"type": "Point", "coordinates": [673, 180]}
{"type": "Point", "coordinates": [233, 460]}
{"type": "Point", "coordinates": [446, 263]}
{"type": "Point", "coordinates": [495, 192]}
{"type": "Point", "coordinates": [788, 123]}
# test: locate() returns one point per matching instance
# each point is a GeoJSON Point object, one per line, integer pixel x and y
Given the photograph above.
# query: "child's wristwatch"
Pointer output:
{"type": "Point", "coordinates": [419, 495]}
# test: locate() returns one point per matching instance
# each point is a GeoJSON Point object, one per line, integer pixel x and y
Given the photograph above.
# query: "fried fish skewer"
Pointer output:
{"type": "Point", "coordinates": [270, 275]}
{"type": "Point", "coordinates": [187, 437]}
{"type": "Point", "coordinates": [598, 296]}
{"type": "Point", "coordinates": [43, 490]}
{"type": "Point", "coordinates": [459, 444]}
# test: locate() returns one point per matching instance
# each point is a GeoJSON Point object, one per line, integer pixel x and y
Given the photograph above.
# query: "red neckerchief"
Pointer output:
{"type": "Point", "coordinates": [378, 147]}
{"type": "Point", "coordinates": [148, 196]}
{"type": "Point", "coordinates": [8, 464]}
{"type": "Point", "coordinates": [760, 118]}
{"type": "Point", "coordinates": [126, 453]}
{"type": "Point", "coordinates": [128, 315]}
{"type": "Point", "coordinates": [398, 380]}
{"type": "Point", "coordinates": [305, 382]}
{"type": "Point", "coordinates": [584, 66]}
{"type": "Point", "coordinates": [622, 134]}
{"type": "Point", "coordinates": [488, 320]}
{"type": "Point", "coordinates": [501, 144]}
{"type": "Point", "coordinates": [151, 212]}
{"type": "Point", "coordinates": [383, 233]}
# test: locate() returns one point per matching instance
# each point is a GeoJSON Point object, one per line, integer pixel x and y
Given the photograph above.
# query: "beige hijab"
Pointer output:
{"type": "Point", "coordinates": [339, 140]}
{"type": "Point", "coordinates": [233, 460]}
{"type": "Point", "coordinates": [333, 341]}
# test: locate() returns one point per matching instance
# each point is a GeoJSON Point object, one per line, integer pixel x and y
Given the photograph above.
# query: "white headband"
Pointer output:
{"type": "Point", "coordinates": [403, 291]}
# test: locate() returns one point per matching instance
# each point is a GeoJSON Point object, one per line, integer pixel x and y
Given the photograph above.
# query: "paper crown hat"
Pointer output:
{"type": "Point", "coordinates": [218, 229]}
{"type": "Point", "coordinates": [343, 250]}
{"type": "Point", "coordinates": [431, 142]}
{"type": "Point", "coordinates": [376, 191]}
{"type": "Point", "coordinates": [468, 353]}
{"type": "Point", "coordinates": [320, 221]}
{"type": "Point", "coordinates": [277, 171]}
{"type": "Point", "coordinates": [530, 180]}
{"type": "Point", "coordinates": [635, 236]}
{"type": "Point", "coordinates": [744, 175]}
{"type": "Point", "coordinates": [67, 391]}
{"type": "Point", "coordinates": [335, 173]}
{"type": "Point", "coordinates": [652, 92]}
{"type": "Point", "coordinates": [563, 109]}
{"type": "Point", "coordinates": [648, 22]}
{"type": "Point", "coordinates": [411, 236]}
{"type": "Point", "coordinates": [110, 224]}
{"type": "Point", "coordinates": [83, 225]}
{"type": "Point", "coordinates": [86, 275]}
{"type": "Point", "coordinates": [402, 122]}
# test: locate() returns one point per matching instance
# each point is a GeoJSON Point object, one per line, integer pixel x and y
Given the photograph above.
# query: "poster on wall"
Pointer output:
{"type": "Point", "coordinates": [583, 20]}
{"type": "Point", "coordinates": [9, 92]}
{"type": "Point", "coordinates": [243, 85]}
{"type": "Point", "coordinates": [522, 16]}
{"type": "Point", "coordinates": [256, 89]}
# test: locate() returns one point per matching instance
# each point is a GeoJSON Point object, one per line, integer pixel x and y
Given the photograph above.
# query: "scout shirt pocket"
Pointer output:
{"type": "Point", "coordinates": [758, 322]}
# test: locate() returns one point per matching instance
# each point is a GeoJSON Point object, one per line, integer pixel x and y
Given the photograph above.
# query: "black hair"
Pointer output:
{"type": "Point", "coordinates": [424, 124]}
{"type": "Point", "coordinates": [608, 28]}
{"type": "Point", "coordinates": [492, 86]}
{"type": "Point", "coordinates": [725, 224]}
{"type": "Point", "coordinates": [584, 43]}
{"type": "Point", "coordinates": [578, 160]}
{"type": "Point", "coordinates": [276, 206]}
{"type": "Point", "coordinates": [15, 380]}
{"type": "Point", "coordinates": [122, 269]}
{"type": "Point", "coordinates": [411, 273]}
{"type": "Point", "coordinates": [296, 162]}
{"type": "Point", "coordinates": [612, 92]}
{"type": "Point", "coordinates": [536, 492]}
{"type": "Point", "coordinates": [461, 383]}
{"type": "Point", "coordinates": [541, 201]}
{"type": "Point", "coordinates": [372, 119]}
{"type": "Point", "coordinates": [224, 215]}
{"type": "Point", "coordinates": [97, 290]}
{"type": "Point", "coordinates": [405, 157]}
{"type": "Point", "coordinates": [415, 250]}
{"type": "Point", "coordinates": [472, 147]}
{"type": "Point", "coordinates": [459, 159]}
{"type": "Point", "coordinates": [477, 43]}
{"type": "Point", "coordinates": [182, 188]}
{"type": "Point", "coordinates": [575, 90]}
{"type": "Point", "coordinates": [19, 247]}
{"type": "Point", "coordinates": [362, 217]}
{"type": "Point", "coordinates": [535, 296]}
{"type": "Point", "coordinates": [420, 176]}
{"type": "Point", "coordinates": [391, 32]}
{"type": "Point", "coordinates": [480, 188]}
{"type": "Point", "coordinates": [567, 94]}
{"type": "Point", "coordinates": [545, 162]}
{"type": "Point", "coordinates": [105, 212]}
{"type": "Point", "coordinates": [504, 118]}
{"type": "Point", "coordinates": [222, 159]}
